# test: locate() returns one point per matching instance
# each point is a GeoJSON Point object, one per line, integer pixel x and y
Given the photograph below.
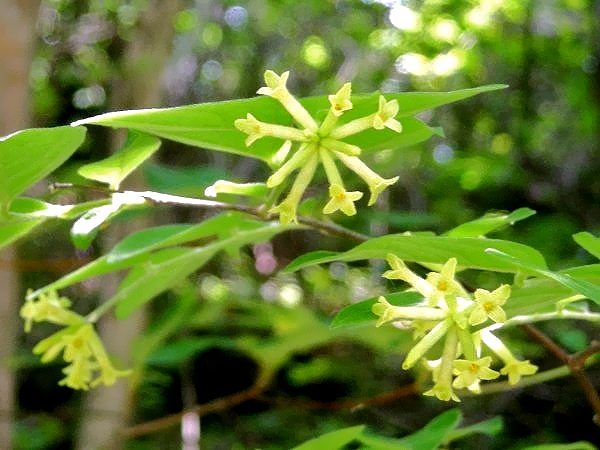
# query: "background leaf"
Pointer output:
{"type": "Point", "coordinates": [333, 440]}
{"type": "Point", "coordinates": [589, 242]}
{"type": "Point", "coordinates": [113, 170]}
{"type": "Point", "coordinates": [489, 222]}
{"type": "Point", "coordinates": [27, 156]}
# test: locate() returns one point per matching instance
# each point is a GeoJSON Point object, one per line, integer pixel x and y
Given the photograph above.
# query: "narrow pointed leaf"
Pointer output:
{"type": "Point", "coordinates": [586, 288]}
{"type": "Point", "coordinates": [334, 440]}
{"type": "Point", "coordinates": [589, 242]}
{"type": "Point", "coordinates": [489, 222]}
{"type": "Point", "coordinates": [210, 125]}
{"type": "Point", "coordinates": [27, 156]}
{"type": "Point", "coordinates": [470, 252]}
{"type": "Point", "coordinates": [113, 170]}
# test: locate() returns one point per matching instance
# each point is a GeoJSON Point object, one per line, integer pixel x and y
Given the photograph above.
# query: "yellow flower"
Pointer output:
{"type": "Point", "coordinates": [388, 312]}
{"type": "Point", "coordinates": [324, 139]}
{"type": "Point", "coordinates": [443, 283]}
{"type": "Point", "coordinates": [48, 307]}
{"type": "Point", "coordinates": [442, 392]}
{"type": "Point", "coordinates": [489, 305]}
{"type": "Point", "coordinates": [342, 200]}
{"type": "Point", "coordinates": [469, 372]}
{"type": "Point", "coordinates": [515, 369]}
{"type": "Point", "coordinates": [275, 84]}
{"type": "Point", "coordinates": [340, 101]}
{"type": "Point", "coordinates": [384, 117]}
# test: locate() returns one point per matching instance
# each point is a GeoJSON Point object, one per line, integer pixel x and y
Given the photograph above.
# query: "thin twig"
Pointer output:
{"type": "Point", "coordinates": [574, 363]}
{"type": "Point", "coordinates": [219, 404]}
{"type": "Point", "coordinates": [351, 404]}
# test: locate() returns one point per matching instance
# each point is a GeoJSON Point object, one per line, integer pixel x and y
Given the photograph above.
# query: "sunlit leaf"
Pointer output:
{"type": "Point", "coordinates": [113, 170]}
{"type": "Point", "coordinates": [470, 252]}
{"type": "Point", "coordinates": [589, 242]}
{"type": "Point", "coordinates": [27, 156]}
{"type": "Point", "coordinates": [590, 290]}
{"type": "Point", "coordinates": [489, 222]}
{"type": "Point", "coordinates": [210, 125]}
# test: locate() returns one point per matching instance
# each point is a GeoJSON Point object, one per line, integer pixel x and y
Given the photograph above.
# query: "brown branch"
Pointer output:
{"type": "Point", "coordinates": [378, 400]}
{"type": "Point", "coordinates": [255, 393]}
{"type": "Point", "coordinates": [575, 363]}
{"type": "Point", "coordinates": [219, 404]}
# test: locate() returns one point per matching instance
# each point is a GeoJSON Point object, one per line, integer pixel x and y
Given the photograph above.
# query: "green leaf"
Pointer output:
{"type": "Point", "coordinates": [360, 314]}
{"type": "Point", "coordinates": [167, 267]}
{"type": "Point", "coordinates": [154, 238]}
{"type": "Point", "coordinates": [490, 427]}
{"type": "Point", "coordinates": [430, 437]}
{"type": "Point", "coordinates": [113, 170]}
{"type": "Point", "coordinates": [12, 228]}
{"type": "Point", "coordinates": [333, 440]}
{"type": "Point", "coordinates": [436, 432]}
{"type": "Point", "coordinates": [580, 445]}
{"type": "Point", "coordinates": [134, 250]}
{"type": "Point", "coordinates": [176, 353]}
{"type": "Point", "coordinates": [489, 222]}
{"type": "Point", "coordinates": [210, 125]}
{"type": "Point", "coordinates": [27, 156]}
{"type": "Point", "coordinates": [589, 242]}
{"type": "Point", "coordinates": [470, 252]}
{"type": "Point", "coordinates": [590, 290]}
{"type": "Point", "coordinates": [190, 181]}
{"type": "Point", "coordinates": [157, 274]}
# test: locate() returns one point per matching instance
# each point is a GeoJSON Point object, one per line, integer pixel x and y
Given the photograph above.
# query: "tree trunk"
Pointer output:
{"type": "Point", "coordinates": [108, 409]}
{"type": "Point", "coordinates": [17, 37]}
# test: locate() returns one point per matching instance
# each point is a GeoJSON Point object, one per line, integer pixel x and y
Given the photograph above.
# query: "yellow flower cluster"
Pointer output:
{"type": "Point", "coordinates": [89, 364]}
{"type": "Point", "coordinates": [448, 312]}
{"type": "Point", "coordinates": [319, 143]}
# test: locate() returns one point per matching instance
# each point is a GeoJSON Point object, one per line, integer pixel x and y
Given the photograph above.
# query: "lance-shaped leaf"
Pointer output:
{"type": "Point", "coordinates": [167, 267]}
{"type": "Point", "coordinates": [586, 288]}
{"type": "Point", "coordinates": [489, 222]}
{"type": "Point", "coordinates": [134, 249]}
{"type": "Point", "coordinates": [333, 440]}
{"type": "Point", "coordinates": [210, 125]}
{"type": "Point", "coordinates": [470, 252]}
{"type": "Point", "coordinates": [589, 242]}
{"type": "Point", "coordinates": [27, 156]}
{"type": "Point", "coordinates": [113, 170]}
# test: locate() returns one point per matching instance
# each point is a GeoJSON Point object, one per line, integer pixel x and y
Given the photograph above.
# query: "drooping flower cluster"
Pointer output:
{"type": "Point", "coordinates": [319, 143]}
{"type": "Point", "coordinates": [89, 364]}
{"type": "Point", "coordinates": [448, 312]}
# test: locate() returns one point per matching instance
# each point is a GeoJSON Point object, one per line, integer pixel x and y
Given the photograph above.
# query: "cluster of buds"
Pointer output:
{"type": "Point", "coordinates": [449, 313]}
{"type": "Point", "coordinates": [88, 363]}
{"type": "Point", "coordinates": [316, 143]}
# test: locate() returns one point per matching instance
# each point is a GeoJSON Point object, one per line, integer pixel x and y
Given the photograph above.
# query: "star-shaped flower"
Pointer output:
{"type": "Point", "coordinates": [444, 283]}
{"type": "Point", "coordinates": [489, 304]}
{"type": "Point", "coordinates": [384, 117]}
{"type": "Point", "coordinates": [515, 369]}
{"type": "Point", "coordinates": [340, 101]}
{"type": "Point", "coordinates": [342, 200]}
{"type": "Point", "coordinates": [471, 371]}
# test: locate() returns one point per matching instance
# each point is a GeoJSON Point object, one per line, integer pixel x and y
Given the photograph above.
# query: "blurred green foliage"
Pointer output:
{"type": "Point", "coordinates": [534, 145]}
